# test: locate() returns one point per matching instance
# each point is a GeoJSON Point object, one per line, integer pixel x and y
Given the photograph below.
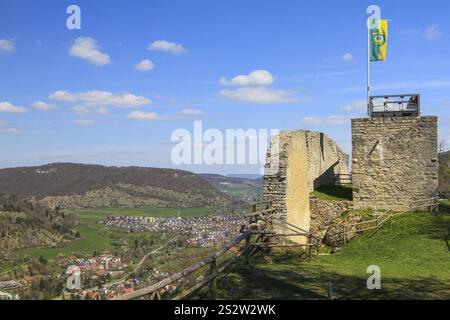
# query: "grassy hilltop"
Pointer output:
{"type": "Point", "coordinates": [413, 257]}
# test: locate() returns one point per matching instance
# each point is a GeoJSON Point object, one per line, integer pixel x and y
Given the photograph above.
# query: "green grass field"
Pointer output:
{"type": "Point", "coordinates": [444, 205]}
{"type": "Point", "coordinates": [338, 193]}
{"type": "Point", "coordinates": [97, 238]}
{"type": "Point", "coordinates": [413, 257]}
{"type": "Point", "coordinates": [94, 215]}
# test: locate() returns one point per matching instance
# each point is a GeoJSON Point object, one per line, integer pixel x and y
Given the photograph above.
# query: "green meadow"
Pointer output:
{"type": "Point", "coordinates": [411, 252]}
{"type": "Point", "coordinates": [334, 193]}
{"type": "Point", "coordinates": [95, 237]}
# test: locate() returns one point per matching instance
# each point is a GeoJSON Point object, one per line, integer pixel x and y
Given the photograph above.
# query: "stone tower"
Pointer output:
{"type": "Point", "coordinates": [394, 161]}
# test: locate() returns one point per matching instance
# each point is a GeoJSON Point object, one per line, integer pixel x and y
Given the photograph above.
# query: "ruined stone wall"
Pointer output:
{"type": "Point", "coordinates": [394, 161]}
{"type": "Point", "coordinates": [297, 162]}
{"type": "Point", "coordinates": [325, 212]}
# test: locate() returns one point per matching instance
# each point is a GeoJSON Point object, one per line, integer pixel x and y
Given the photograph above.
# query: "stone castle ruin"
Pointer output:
{"type": "Point", "coordinates": [299, 162]}
{"type": "Point", "coordinates": [394, 163]}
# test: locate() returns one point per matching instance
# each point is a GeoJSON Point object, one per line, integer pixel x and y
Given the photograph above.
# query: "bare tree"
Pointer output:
{"type": "Point", "coordinates": [443, 147]}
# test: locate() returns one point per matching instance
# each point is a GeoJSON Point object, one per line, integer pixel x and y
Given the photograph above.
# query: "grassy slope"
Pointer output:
{"type": "Point", "coordinates": [338, 193]}
{"type": "Point", "coordinates": [94, 237]}
{"type": "Point", "coordinates": [414, 262]}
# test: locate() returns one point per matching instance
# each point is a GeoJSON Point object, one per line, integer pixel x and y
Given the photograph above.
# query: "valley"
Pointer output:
{"type": "Point", "coordinates": [124, 227]}
{"type": "Point", "coordinates": [142, 257]}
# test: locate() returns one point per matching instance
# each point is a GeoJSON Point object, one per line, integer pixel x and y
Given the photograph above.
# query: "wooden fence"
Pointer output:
{"type": "Point", "coordinates": [211, 263]}
{"type": "Point", "coordinates": [215, 269]}
{"type": "Point", "coordinates": [263, 225]}
{"type": "Point", "coordinates": [342, 179]}
{"type": "Point", "coordinates": [270, 235]}
{"type": "Point", "coordinates": [249, 241]}
{"type": "Point", "coordinates": [431, 204]}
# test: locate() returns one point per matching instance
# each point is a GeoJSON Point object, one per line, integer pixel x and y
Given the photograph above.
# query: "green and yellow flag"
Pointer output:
{"type": "Point", "coordinates": [378, 40]}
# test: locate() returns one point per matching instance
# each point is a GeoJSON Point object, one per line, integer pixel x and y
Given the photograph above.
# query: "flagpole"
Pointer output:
{"type": "Point", "coordinates": [368, 72]}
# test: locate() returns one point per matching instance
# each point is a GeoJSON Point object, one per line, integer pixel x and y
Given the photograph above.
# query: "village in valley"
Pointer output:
{"type": "Point", "coordinates": [265, 162]}
{"type": "Point", "coordinates": [207, 231]}
{"type": "Point", "coordinates": [106, 275]}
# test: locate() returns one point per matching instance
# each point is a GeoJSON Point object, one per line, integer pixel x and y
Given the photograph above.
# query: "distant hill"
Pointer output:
{"type": "Point", "coordinates": [82, 185]}
{"type": "Point", "coordinates": [26, 224]}
{"type": "Point", "coordinates": [248, 176]}
{"type": "Point", "coordinates": [444, 172]}
{"type": "Point", "coordinates": [239, 188]}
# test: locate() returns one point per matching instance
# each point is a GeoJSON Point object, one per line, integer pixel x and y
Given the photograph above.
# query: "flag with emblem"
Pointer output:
{"type": "Point", "coordinates": [378, 40]}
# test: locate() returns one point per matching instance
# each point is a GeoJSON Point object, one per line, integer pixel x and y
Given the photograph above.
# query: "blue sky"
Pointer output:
{"type": "Point", "coordinates": [79, 96]}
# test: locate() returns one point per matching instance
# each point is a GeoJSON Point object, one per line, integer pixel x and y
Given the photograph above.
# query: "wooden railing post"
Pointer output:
{"type": "Point", "coordinates": [247, 248]}
{"type": "Point", "coordinates": [310, 245]}
{"type": "Point", "coordinates": [155, 295]}
{"type": "Point", "coordinates": [213, 284]}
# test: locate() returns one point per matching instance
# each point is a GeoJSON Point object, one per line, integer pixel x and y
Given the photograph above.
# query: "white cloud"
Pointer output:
{"type": "Point", "coordinates": [102, 99]}
{"type": "Point", "coordinates": [145, 65]}
{"type": "Point", "coordinates": [9, 107]}
{"type": "Point", "coordinates": [166, 46]}
{"type": "Point", "coordinates": [259, 95]}
{"type": "Point", "coordinates": [347, 56]}
{"type": "Point", "coordinates": [254, 78]}
{"type": "Point", "coordinates": [81, 122]}
{"type": "Point", "coordinates": [143, 116]}
{"type": "Point", "coordinates": [356, 105]}
{"type": "Point", "coordinates": [7, 46]}
{"type": "Point", "coordinates": [102, 111]}
{"type": "Point", "coordinates": [87, 48]}
{"type": "Point", "coordinates": [433, 32]}
{"type": "Point", "coordinates": [326, 120]}
{"type": "Point", "coordinates": [83, 110]}
{"type": "Point", "coordinates": [191, 112]}
{"type": "Point", "coordinates": [62, 95]}
{"type": "Point", "coordinates": [43, 106]}
{"type": "Point", "coordinates": [5, 128]}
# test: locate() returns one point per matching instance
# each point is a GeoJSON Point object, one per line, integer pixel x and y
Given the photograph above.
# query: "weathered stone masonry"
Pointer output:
{"type": "Point", "coordinates": [394, 161]}
{"type": "Point", "coordinates": [297, 163]}
{"type": "Point", "coordinates": [324, 213]}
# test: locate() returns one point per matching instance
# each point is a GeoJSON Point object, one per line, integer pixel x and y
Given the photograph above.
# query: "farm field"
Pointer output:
{"type": "Point", "coordinates": [97, 238]}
